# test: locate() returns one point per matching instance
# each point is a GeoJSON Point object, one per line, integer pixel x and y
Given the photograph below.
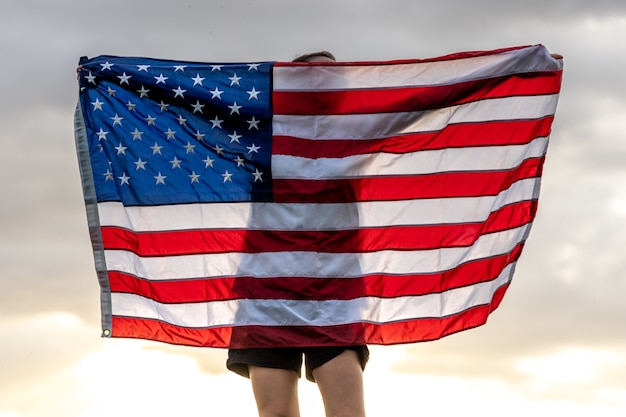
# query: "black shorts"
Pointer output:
{"type": "Point", "coordinates": [289, 358]}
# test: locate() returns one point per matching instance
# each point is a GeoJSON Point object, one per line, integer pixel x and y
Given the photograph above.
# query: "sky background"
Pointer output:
{"type": "Point", "coordinates": [556, 345]}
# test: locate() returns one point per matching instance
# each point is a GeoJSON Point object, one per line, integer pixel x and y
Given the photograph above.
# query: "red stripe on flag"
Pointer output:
{"type": "Point", "coordinates": [421, 237]}
{"type": "Point", "coordinates": [432, 329]}
{"type": "Point", "coordinates": [515, 132]}
{"type": "Point", "coordinates": [440, 185]}
{"type": "Point", "coordinates": [379, 285]}
{"type": "Point", "coordinates": [424, 329]}
{"type": "Point", "coordinates": [407, 99]}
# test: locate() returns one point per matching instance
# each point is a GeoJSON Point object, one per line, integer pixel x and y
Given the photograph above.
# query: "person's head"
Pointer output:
{"type": "Point", "coordinates": [320, 56]}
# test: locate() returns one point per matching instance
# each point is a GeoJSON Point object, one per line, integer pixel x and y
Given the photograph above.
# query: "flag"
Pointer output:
{"type": "Point", "coordinates": [276, 204]}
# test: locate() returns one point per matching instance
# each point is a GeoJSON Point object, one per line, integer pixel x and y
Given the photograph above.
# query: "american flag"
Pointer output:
{"type": "Point", "coordinates": [278, 204]}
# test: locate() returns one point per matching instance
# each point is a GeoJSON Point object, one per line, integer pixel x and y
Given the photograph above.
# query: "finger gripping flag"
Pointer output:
{"type": "Point", "coordinates": [281, 204]}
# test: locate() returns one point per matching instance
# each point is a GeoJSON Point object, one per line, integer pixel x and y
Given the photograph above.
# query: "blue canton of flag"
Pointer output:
{"type": "Point", "coordinates": [164, 132]}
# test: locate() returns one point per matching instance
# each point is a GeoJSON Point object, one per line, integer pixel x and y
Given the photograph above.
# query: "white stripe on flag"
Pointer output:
{"type": "Point", "coordinates": [357, 76]}
{"type": "Point", "coordinates": [484, 158]}
{"type": "Point", "coordinates": [381, 125]}
{"type": "Point", "coordinates": [311, 312]}
{"type": "Point", "coordinates": [312, 264]}
{"type": "Point", "coordinates": [273, 216]}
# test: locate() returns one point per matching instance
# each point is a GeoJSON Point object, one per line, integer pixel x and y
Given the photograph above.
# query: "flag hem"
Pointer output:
{"type": "Point", "coordinates": [91, 206]}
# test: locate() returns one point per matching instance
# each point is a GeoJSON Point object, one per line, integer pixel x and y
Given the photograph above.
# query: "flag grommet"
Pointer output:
{"type": "Point", "coordinates": [106, 333]}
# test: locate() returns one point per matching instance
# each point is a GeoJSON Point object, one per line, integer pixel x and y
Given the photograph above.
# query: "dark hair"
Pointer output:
{"type": "Point", "coordinates": [306, 57]}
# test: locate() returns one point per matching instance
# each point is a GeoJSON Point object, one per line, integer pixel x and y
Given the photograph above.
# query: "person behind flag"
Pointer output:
{"type": "Point", "coordinates": [131, 311]}
{"type": "Point", "coordinates": [274, 372]}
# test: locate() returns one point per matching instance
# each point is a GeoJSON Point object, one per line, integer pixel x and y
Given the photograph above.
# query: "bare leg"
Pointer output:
{"type": "Point", "coordinates": [275, 391]}
{"type": "Point", "coordinates": [340, 381]}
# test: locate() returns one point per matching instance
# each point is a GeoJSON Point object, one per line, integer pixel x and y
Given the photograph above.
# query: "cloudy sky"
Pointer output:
{"type": "Point", "coordinates": [556, 346]}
